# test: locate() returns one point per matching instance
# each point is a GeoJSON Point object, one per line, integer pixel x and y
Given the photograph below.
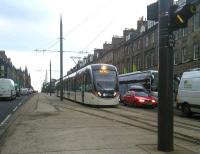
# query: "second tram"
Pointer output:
{"type": "Point", "coordinates": [95, 84]}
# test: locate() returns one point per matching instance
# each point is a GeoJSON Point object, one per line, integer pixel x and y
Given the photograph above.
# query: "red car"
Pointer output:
{"type": "Point", "coordinates": [139, 98]}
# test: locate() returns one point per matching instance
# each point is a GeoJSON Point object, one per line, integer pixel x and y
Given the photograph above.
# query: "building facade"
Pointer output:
{"type": "Point", "coordinates": [137, 49]}
{"type": "Point", "coordinates": [7, 70]}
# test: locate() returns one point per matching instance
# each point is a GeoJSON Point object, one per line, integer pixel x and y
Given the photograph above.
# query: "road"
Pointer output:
{"type": "Point", "coordinates": [7, 108]}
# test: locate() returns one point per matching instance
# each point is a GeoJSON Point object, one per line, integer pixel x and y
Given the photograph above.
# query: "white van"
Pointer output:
{"type": "Point", "coordinates": [189, 92]}
{"type": "Point", "coordinates": [7, 89]}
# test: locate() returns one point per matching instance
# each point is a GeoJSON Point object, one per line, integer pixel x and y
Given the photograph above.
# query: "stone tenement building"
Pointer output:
{"type": "Point", "coordinates": [187, 46]}
{"type": "Point", "coordinates": [140, 52]}
{"type": "Point", "coordinates": [7, 70]}
{"type": "Point", "coordinates": [137, 49]}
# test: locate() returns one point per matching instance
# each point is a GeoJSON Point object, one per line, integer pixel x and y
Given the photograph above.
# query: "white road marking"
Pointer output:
{"type": "Point", "coordinates": [2, 123]}
{"type": "Point", "coordinates": [15, 109]}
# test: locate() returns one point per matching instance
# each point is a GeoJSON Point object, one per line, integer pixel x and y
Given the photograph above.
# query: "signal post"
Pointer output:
{"type": "Point", "coordinates": [170, 18]}
{"type": "Point", "coordinates": [165, 92]}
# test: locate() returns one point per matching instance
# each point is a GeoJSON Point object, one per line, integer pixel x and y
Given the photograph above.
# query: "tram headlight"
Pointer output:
{"type": "Point", "coordinates": [114, 94]}
{"type": "Point", "coordinates": [103, 70]}
{"type": "Point", "coordinates": [99, 94]}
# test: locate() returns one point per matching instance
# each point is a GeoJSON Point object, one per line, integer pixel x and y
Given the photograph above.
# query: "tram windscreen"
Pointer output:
{"type": "Point", "coordinates": [106, 80]}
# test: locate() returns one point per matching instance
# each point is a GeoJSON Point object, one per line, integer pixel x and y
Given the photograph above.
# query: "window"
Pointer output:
{"type": "Point", "coordinates": [130, 49]}
{"type": "Point", "coordinates": [184, 55]}
{"type": "Point", "coordinates": [138, 63]}
{"type": "Point", "coordinates": [152, 38]}
{"type": "Point", "coordinates": [195, 51]}
{"type": "Point", "coordinates": [138, 45]}
{"type": "Point", "coordinates": [127, 51]}
{"type": "Point", "coordinates": [134, 46]}
{"type": "Point", "coordinates": [146, 41]}
{"type": "Point", "coordinates": [183, 32]}
{"type": "Point", "coordinates": [176, 35]}
{"type": "Point", "coordinates": [1, 71]}
{"type": "Point", "coordinates": [129, 65]}
{"type": "Point", "coordinates": [148, 61]}
{"type": "Point", "coordinates": [88, 82]}
{"type": "Point", "coordinates": [175, 57]}
{"type": "Point", "coordinates": [152, 59]}
{"type": "Point", "coordinates": [195, 22]}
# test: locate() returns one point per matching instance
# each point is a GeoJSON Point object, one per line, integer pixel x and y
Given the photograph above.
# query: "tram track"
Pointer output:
{"type": "Point", "coordinates": [129, 119]}
{"type": "Point", "coordinates": [177, 134]}
{"type": "Point", "coordinates": [177, 123]}
{"type": "Point", "coordinates": [152, 113]}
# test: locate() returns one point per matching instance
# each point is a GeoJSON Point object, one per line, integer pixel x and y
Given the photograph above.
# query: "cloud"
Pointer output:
{"type": "Point", "coordinates": [26, 25]}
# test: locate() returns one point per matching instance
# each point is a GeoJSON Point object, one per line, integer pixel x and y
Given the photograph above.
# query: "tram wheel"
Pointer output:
{"type": "Point", "coordinates": [186, 111]}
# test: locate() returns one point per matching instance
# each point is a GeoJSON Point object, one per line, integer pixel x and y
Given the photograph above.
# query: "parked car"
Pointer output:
{"type": "Point", "coordinates": [139, 97]}
{"type": "Point", "coordinates": [189, 92]}
{"type": "Point", "coordinates": [7, 89]}
{"type": "Point", "coordinates": [17, 92]}
{"type": "Point", "coordinates": [24, 91]}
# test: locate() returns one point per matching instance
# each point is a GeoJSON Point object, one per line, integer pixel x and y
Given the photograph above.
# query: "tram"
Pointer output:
{"type": "Point", "coordinates": [95, 84]}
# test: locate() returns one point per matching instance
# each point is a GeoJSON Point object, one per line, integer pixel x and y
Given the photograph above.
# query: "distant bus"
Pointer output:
{"type": "Point", "coordinates": [148, 79]}
{"type": "Point", "coordinates": [95, 84]}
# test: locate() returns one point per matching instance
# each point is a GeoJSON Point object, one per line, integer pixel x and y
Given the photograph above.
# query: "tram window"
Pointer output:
{"type": "Point", "coordinates": [88, 83]}
{"type": "Point", "coordinates": [73, 84]}
{"type": "Point", "coordinates": [78, 83]}
{"type": "Point", "coordinates": [65, 85]}
{"type": "Point", "coordinates": [69, 84]}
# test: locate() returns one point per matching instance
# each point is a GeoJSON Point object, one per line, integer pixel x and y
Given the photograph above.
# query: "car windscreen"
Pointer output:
{"type": "Point", "coordinates": [141, 93]}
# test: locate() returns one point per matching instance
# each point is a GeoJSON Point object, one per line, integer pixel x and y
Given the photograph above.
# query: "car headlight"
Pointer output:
{"type": "Point", "coordinates": [153, 101]}
{"type": "Point", "coordinates": [141, 100]}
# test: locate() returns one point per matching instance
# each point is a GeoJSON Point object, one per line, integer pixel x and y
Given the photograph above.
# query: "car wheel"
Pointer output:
{"type": "Point", "coordinates": [186, 111]}
{"type": "Point", "coordinates": [177, 106]}
{"type": "Point", "coordinates": [134, 104]}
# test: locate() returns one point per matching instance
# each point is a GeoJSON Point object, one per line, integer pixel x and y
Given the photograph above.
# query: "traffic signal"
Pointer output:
{"type": "Point", "coordinates": [179, 16]}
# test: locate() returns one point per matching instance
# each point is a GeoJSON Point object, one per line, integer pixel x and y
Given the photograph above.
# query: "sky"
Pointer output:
{"type": "Point", "coordinates": [27, 25]}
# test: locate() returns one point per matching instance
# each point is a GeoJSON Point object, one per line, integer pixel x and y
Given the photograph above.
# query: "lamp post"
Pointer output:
{"type": "Point", "coordinates": [61, 60]}
{"type": "Point", "coordinates": [50, 87]}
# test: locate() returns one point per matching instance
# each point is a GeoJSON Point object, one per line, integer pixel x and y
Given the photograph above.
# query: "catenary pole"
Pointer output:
{"type": "Point", "coordinates": [165, 93]}
{"type": "Point", "coordinates": [61, 60]}
{"type": "Point", "coordinates": [50, 87]}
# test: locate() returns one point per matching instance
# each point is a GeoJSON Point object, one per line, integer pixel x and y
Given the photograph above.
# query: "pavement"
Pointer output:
{"type": "Point", "coordinates": [44, 125]}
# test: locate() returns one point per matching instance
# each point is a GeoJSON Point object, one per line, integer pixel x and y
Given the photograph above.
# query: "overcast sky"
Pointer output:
{"type": "Point", "coordinates": [26, 25]}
